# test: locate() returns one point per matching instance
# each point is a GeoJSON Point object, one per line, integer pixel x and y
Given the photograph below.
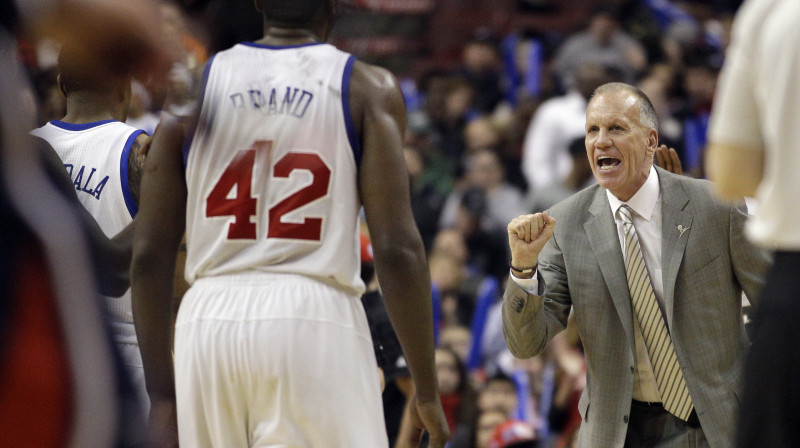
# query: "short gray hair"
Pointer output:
{"type": "Point", "coordinates": [647, 113]}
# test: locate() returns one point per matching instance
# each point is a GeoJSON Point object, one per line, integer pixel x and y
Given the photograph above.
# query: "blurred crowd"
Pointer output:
{"type": "Point", "coordinates": [500, 136]}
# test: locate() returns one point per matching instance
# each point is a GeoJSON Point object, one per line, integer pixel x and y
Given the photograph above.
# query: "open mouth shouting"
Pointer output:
{"type": "Point", "coordinates": [605, 163]}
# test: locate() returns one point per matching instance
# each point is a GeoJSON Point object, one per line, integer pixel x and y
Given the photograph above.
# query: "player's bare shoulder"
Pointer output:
{"type": "Point", "coordinates": [374, 90]}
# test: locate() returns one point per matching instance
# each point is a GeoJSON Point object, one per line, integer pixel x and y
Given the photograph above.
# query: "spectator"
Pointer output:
{"type": "Point", "coordinates": [481, 68]}
{"type": "Point", "coordinates": [459, 400]}
{"type": "Point", "coordinates": [604, 43]}
{"type": "Point", "coordinates": [499, 394]}
{"type": "Point", "coordinates": [484, 171]}
{"type": "Point", "coordinates": [485, 424]}
{"type": "Point", "coordinates": [557, 122]}
{"type": "Point", "coordinates": [579, 177]}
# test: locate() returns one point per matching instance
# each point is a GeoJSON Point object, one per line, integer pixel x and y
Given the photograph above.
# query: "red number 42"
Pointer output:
{"type": "Point", "coordinates": [239, 175]}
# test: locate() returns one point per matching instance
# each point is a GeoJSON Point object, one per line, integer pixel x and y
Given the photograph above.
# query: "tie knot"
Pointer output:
{"type": "Point", "coordinates": [625, 214]}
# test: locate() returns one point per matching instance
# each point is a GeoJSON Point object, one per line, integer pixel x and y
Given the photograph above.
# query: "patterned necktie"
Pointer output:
{"type": "Point", "coordinates": [669, 377]}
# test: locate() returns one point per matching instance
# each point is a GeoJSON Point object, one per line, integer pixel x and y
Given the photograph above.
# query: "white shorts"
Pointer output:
{"type": "Point", "coordinates": [275, 361]}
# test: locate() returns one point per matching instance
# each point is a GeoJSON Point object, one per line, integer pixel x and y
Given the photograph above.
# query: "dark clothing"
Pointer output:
{"type": "Point", "coordinates": [390, 359]}
{"type": "Point", "coordinates": [770, 412]}
{"type": "Point", "coordinates": [650, 425]}
{"type": "Point", "coordinates": [384, 340]}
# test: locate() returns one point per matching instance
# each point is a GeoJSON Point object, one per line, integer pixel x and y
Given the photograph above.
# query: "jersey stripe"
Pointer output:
{"type": "Point", "coordinates": [352, 135]}
{"type": "Point", "coordinates": [79, 127]}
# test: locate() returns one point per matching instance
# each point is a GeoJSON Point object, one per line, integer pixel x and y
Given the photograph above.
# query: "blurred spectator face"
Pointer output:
{"type": "Point", "coordinates": [590, 76]}
{"type": "Point", "coordinates": [487, 422]}
{"type": "Point", "coordinates": [458, 101]}
{"type": "Point", "coordinates": [700, 83]}
{"type": "Point", "coordinates": [481, 134]}
{"type": "Point", "coordinates": [656, 90]}
{"type": "Point", "coordinates": [480, 57]}
{"type": "Point", "coordinates": [414, 163]}
{"type": "Point", "coordinates": [484, 170]}
{"type": "Point", "coordinates": [457, 339]}
{"type": "Point", "coordinates": [498, 395]}
{"type": "Point", "coordinates": [471, 211]}
{"type": "Point", "coordinates": [451, 242]}
{"type": "Point", "coordinates": [446, 271]}
{"type": "Point", "coordinates": [602, 27]}
{"type": "Point", "coordinates": [447, 373]}
{"type": "Point", "coordinates": [436, 92]}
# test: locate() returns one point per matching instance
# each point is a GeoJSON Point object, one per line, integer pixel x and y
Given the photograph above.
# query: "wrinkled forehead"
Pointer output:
{"type": "Point", "coordinates": [614, 106]}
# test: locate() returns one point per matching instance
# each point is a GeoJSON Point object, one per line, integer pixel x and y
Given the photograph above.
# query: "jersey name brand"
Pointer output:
{"type": "Point", "coordinates": [291, 101]}
{"type": "Point", "coordinates": [86, 180]}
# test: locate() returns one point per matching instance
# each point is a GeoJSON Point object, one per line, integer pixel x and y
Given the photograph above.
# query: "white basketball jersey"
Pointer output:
{"type": "Point", "coordinates": [272, 167]}
{"type": "Point", "coordinates": [96, 158]}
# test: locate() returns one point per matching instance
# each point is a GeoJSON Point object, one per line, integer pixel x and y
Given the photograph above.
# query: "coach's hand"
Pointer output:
{"type": "Point", "coordinates": [427, 416]}
{"type": "Point", "coordinates": [527, 235]}
{"type": "Point", "coordinates": [668, 159]}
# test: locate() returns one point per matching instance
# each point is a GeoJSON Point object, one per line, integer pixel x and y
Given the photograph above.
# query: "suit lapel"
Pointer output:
{"type": "Point", "coordinates": [602, 233]}
{"type": "Point", "coordinates": [674, 201]}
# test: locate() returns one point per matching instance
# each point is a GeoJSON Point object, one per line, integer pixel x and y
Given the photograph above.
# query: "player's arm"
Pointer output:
{"type": "Point", "coordinates": [159, 228]}
{"type": "Point", "coordinates": [735, 169]}
{"type": "Point", "coordinates": [380, 117]}
{"type": "Point", "coordinates": [111, 256]}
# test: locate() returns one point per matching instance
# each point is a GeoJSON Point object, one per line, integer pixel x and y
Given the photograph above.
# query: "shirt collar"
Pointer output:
{"type": "Point", "coordinates": [643, 202]}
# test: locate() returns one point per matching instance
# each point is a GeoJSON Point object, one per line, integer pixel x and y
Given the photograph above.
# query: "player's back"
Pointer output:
{"type": "Point", "coordinates": [272, 168]}
{"type": "Point", "coordinates": [95, 156]}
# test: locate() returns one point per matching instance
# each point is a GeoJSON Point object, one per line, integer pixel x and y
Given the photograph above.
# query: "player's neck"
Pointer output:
{"type": "Point", "coordinates": [276, 35]}
{"type": "Point", "coordinates": [81, 110]}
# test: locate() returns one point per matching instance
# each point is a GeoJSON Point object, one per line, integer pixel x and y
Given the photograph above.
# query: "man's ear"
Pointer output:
{"type": "Point", "coordinates": [652, 140]}
{"type": "Point", "coordinates": [61, 86]}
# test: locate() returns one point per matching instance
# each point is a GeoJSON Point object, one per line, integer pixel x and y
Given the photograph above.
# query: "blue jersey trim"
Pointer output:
{"type": "Point", "coordinates": [133, 208]}
{"type": "Point", "coordinates": [281, 47]}
{"type": "Point", "coordinates": [352, 135]}
{"type": "Point", "coordinates": [79, 127]}
{"type": "Point", "coordinates": [187, 143]}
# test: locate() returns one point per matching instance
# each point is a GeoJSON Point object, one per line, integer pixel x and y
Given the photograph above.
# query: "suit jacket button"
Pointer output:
{"type": "Point", "coordinates": [625, 419]}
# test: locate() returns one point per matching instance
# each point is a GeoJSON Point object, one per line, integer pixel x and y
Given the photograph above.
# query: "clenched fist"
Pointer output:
{"type": "Point", "coordinates": [527, 235]}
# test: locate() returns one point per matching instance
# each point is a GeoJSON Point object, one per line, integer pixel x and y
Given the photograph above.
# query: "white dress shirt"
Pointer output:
{"type": "Point", "coordinates": [646, 207]}
{"type": "Point", "coordinates": [545, 151]}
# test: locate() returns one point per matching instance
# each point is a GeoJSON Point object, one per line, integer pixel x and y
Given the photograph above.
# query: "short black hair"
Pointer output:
{"type": "Point", "coordinates": [295, 12]}
{"type": "Point", "coordinates": [81, 73]}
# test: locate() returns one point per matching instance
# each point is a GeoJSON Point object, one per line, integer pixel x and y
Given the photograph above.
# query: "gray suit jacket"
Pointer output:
{"type": "Point", "coordinates": [704, 272]}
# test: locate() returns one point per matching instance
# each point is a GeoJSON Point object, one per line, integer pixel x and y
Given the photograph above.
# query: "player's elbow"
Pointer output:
{"type": "Point", "coordinates": [393, 251]}
{"type": "Point", "coordinates": [146, 260]}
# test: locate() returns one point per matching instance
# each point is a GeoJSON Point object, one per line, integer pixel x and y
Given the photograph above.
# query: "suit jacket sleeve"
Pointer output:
{"type": "Point", "coordinates": [529, 320]}
{"type": "Point", "coordinates": [750, 262]}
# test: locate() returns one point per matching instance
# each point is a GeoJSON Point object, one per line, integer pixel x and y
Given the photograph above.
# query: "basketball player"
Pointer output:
{"type": "Point", "coordinates": [104, 158]}
{"type": "Point", "coordinates": [272, 346]}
